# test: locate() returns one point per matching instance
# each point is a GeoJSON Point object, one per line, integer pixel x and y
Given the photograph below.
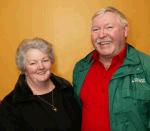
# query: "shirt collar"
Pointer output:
{"type": "Point", "coordinates": [120, 56]}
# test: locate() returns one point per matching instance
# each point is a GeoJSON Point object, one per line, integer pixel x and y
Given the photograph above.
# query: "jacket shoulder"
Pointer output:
{"type": "Point", "coordinates": [8, 99]}
{"type": "Point", "coordinates": [145, 61]}
{"type": "Point", "coordinates": [82, 62]}
{"type": "Point", "coordinates": [85, 59]}
{"type": "Point", "coordinates": [145, 57]}
{"type": "Point", "coordinates": [6, 109]}
{"type": "Point", "coordinates": [61, 81]}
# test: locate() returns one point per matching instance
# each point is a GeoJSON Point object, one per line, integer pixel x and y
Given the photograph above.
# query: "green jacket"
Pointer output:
{"type": "Point", "coordinates": [129, 91]}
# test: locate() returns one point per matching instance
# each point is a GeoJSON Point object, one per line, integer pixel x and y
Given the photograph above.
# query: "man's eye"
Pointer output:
{"type": "Point", "coordinates": [95, 29]}
{"type": "Point", "coordinates": [109, 27]}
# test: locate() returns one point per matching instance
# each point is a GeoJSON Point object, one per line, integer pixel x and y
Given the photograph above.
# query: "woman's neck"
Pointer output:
{"type": "Point", "coordinates": [41, 87]}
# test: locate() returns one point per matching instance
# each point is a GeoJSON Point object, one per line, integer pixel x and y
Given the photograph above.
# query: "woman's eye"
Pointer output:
{"type": "Point", "coordinates": [32, 63]}
{"type": "Point", "coordinates": [46, 60]}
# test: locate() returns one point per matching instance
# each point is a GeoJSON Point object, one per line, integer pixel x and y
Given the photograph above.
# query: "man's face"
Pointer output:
{"type": "Point", "coordinates": [108, 34]}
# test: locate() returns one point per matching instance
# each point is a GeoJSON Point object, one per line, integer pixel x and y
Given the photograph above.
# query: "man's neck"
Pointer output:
{"type": "Point", "coordinates": [106, 61]}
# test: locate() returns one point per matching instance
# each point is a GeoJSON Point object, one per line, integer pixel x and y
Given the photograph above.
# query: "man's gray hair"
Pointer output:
{"type": "Point", "coordinates": [121, 16]}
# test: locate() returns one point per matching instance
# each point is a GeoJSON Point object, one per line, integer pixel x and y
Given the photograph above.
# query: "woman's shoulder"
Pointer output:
{"type": "Point", "coordinates": [58, 80]}
{"type": "Point", "coordinates": [8, 99]}
{"type": "Point", "coordinates": [6, 106]}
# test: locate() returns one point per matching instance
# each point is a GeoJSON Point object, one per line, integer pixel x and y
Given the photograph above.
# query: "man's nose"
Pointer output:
{"type": "Point", "coordinates": [102, 33]}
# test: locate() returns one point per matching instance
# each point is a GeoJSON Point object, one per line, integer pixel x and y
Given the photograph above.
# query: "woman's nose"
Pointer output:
{"type": "Point", "coordinates": [40, 65]}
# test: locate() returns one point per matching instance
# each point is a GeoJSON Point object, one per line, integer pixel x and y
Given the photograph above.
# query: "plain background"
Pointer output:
{"type": "Point", "coordinates": [64, 23]}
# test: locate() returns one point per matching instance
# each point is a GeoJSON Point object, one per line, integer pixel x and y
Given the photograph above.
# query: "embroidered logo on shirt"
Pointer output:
{"type": "Point", "coordinates": [139, 80]}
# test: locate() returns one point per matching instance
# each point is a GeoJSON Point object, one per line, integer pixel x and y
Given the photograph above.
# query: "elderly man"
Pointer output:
{"type": "Point", "coordinates": [112, 83]}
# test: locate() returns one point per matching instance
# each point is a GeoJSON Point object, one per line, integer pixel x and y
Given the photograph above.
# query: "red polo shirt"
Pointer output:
{"type": "Point", "coordinates": [94, 93]}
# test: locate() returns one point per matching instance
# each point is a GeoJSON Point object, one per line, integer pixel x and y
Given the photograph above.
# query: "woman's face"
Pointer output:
{"type": "Point", "coordinates": [37, 66]}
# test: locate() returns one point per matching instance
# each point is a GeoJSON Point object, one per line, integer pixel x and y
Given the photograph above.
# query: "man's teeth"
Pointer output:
{"type": "Point", "coordinates": [103, 42]}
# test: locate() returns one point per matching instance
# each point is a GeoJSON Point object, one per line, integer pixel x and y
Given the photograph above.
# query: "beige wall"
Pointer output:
{"type": "Point", "coordinates": [66, 24]}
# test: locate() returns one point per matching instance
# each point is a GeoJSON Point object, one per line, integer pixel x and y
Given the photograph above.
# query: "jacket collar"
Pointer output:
{"type": "Point", "coordinates": [22, 92]}
{"type": "Point", "coordinates": [130, 59]}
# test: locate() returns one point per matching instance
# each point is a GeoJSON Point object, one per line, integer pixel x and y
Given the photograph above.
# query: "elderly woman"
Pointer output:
{"type": "Point", "coordinates": [40, 101]}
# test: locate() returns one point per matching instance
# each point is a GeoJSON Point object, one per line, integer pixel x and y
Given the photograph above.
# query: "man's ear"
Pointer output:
{"type": "Point", "coordinates": [126, 29]}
